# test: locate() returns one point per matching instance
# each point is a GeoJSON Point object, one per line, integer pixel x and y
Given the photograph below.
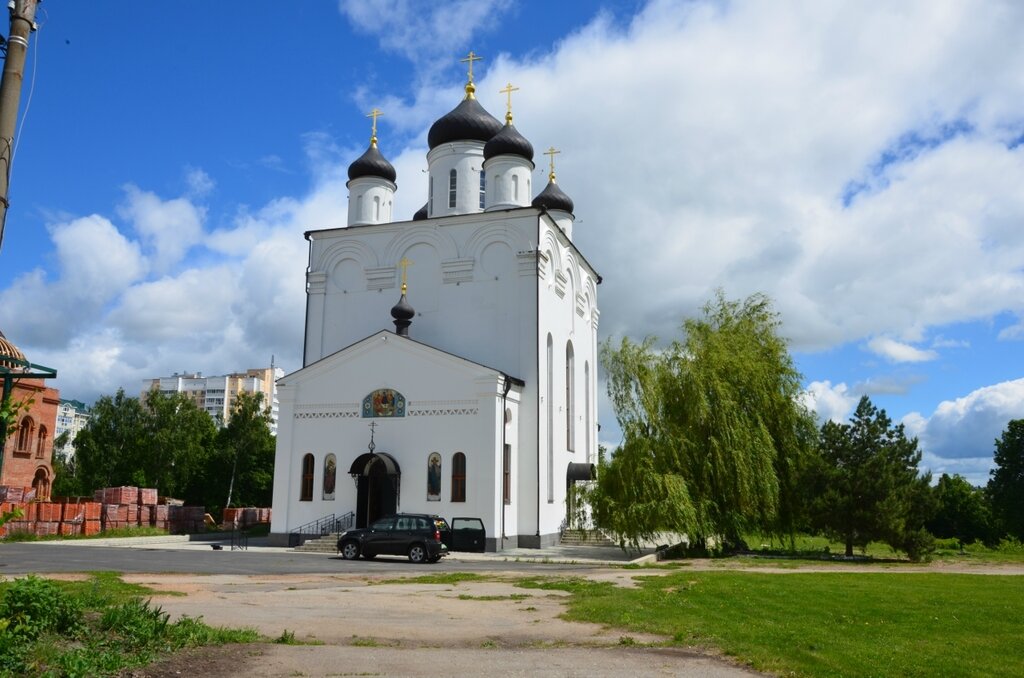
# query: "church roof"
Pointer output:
{"type": "Point", "coordinates": [420, 214]}
{"type": "Point", "coordinates": [11, 351]}
{"type": "Point", "coordinates": [508, 142]}
{"type": "Point", "coordinates": [372, 164]}
{"type": "Point", "coordinates": [553, 198]}
{"type": "Point", "coordinates": [400, 342]}
{"type": "Point", "coordinates": [468, 121]}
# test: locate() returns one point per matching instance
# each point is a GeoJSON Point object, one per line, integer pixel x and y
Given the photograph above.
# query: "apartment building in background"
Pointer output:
{"type": "Point", "coordinates": [72, 416]}
{"type": "Point", "coordinates": [217, 395]}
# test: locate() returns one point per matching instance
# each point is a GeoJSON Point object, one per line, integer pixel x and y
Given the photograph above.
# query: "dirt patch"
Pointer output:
{"type": "Point", "coordinates": [358, 625]}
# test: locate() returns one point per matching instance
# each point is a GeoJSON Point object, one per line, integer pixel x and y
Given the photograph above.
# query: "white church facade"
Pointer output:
{"type": "Point", "coordinates": [480, 400]}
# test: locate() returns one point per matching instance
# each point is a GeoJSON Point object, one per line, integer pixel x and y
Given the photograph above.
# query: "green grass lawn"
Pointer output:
{"type": "Point", "coordinates": [825, 624]}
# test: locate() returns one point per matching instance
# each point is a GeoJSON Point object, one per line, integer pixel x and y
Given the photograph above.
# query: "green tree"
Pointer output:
{"type": "Point", "coordinates": [109, 448]}
{"type": "Point", "coordinates": [867, 484]}
{"type": "Point", "coordinates": [714, 437]}
{"type": "Point", "coordinates": [162, 443]}
{"type": "Point", "coordinates": [65, 479]}
{"type": "Point", "coordinates": [241, 473]}
{"type": "Point", "coordinates": [962, 511]}
{"type": "Point", "coordinates": [180, 439]}
{"type": "Point", "coordinates": [1006, 484]}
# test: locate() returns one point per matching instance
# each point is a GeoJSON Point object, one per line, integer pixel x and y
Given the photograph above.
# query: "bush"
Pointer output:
{"type": "Point", "coordinates": [918, 544]}
{"type": "Point", "coordinates": [33, 606]}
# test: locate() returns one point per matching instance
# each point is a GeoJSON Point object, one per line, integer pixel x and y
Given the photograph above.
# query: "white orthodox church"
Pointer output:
{"type": "Point", "coordinates": [450, 361]}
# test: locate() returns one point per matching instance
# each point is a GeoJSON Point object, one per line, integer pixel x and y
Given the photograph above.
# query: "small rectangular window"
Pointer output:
{"type": "Point", "coordinates": [483, 187]}
{"type": "Point", "coordinates": [453, 181]}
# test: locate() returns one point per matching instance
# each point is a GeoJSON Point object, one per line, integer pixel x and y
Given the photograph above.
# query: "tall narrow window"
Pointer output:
{"type": "Point", "coordinates": [430, 198]}
{"type": "Point", "coordinates": [376, 208]}
{"type": "Point", "coordinates": [453, 182]}
{"type": "Point", "coordinates": [25, 434]}
{"type": "Point", "coordinates": [570, 399]}
{"type": "Point", "coordinates": [459, 477]}
{"type": "Point", "coordinates": [551, 423]}
{"type": "Point", "coordinates": [506, 474]}
{"type": "Point", "coordinates": [306, 491]}
{"type": "Point", "coordinates": [41, 443]}
{"type": "Point", "coordinates": [483, 187]}
{"type": "Point", "coordinates": [515, 187]}
{"type": "Point", "coordinates": [586, 406]}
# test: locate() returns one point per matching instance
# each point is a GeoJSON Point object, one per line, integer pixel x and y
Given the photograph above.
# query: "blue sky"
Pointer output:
{"type": "Point", "coordinates": [863, 166]}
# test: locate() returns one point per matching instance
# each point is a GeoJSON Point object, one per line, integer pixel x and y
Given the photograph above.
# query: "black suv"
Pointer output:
{"type": "Point", "coordinates": [416, 535]}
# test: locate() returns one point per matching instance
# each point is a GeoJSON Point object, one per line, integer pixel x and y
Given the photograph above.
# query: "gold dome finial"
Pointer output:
{"type": "Point", "coordinates": [552, 152]}
{"type": "Point", "coordinates": [375, 113]}
{"type": "Point", "coordinates": [470, 87]}
{"type": "Point", "coordinates": [508, 90]}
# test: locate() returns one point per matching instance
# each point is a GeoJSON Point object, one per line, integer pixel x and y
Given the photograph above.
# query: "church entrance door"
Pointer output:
{"type": "Point", "coordinates": [378, 481]}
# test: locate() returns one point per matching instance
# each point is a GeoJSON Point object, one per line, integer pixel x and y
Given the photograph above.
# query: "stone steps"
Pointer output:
{"type": "Point", "coordinates": [586, 537]}
{"type": "Point", "coordinates": [325, 544]}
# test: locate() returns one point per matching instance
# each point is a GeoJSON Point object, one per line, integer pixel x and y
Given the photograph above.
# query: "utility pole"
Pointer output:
{"type": "Point", "coordinates": [23, 22]}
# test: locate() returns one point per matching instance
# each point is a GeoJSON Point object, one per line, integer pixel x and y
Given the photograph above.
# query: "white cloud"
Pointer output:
{"type": "Point", "coordinates": [167, 228]}
{"type": "Point", "coordinates": [898, 352]}
{"type": "Point", "coordinates": [424, 32]}
{"type": "Point", "coordinates": [830, 402]}
{"type": "Point", "coordinates": [966, 428]}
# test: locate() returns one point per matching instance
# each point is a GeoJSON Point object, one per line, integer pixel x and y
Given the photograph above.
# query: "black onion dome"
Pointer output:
{"type": "Point", "coordinates": [508, 142]}
{"type": "Point", "coordinates": [553, 198]}
{"type": "Point", "coordinates": [403, 314]}
{"type": "Point", "coordinates": [420, 214]}
{"type": "Point", "coordinates": [468, 121]}
{"type": "Point", "coordinates": [372, 164]}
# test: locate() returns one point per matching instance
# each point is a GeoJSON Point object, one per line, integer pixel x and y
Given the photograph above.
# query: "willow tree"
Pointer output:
{"type": "Point", "coordinates": [714, 434]}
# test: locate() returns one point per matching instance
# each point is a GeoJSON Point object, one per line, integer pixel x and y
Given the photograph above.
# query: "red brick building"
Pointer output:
{"type": "Point", "coordinates": [28, 450]}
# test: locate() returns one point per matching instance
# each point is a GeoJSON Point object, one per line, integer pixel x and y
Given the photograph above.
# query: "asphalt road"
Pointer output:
{"type": "Point", "coordinates": [46, 557]}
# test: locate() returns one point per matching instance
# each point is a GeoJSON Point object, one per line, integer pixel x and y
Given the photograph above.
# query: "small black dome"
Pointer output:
{"type": "Point", "coordinates": [468, 121]}
{"type": "Point", "coordinates": [420, 214]}
{"type": "Point", "coordinates": [508, 142]}
{"type": "Point", "coordinates": [372, 164]}
{"type": "Point", "coordinates": [403, 314]}
{"type": "Point", "coordinates": [553, 198]}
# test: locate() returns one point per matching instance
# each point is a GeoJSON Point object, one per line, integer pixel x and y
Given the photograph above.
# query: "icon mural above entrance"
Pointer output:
{"type": "Point", "coordinates": [384, 402]}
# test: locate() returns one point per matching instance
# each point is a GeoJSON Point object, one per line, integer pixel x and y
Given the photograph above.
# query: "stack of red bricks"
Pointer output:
{"type": "Point", "coordinates": [45, 518]}
{"type": "Point", "coordinates": [245, 517]}
{"type": "Point", "coordinates": [111, 508]}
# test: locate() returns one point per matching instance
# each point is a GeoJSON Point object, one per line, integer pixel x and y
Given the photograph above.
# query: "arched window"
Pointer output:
{"type": "Point", "coordinates": [459, 477]}
{"type": "Point", "coordinates": [586, 405]}
{"type": "Point", "coordinates": [430, 197]}
{"type": "Point", "coordinates": [515, 187]}
{"type": "Point", "coordinates": [330, 476]}
{"type": "Point", "coordinates": [453, 181]}
{"type": "Point", "coordinates": [506, 463]}
{"type": "Point", "coordinates": [376, 208]}
{"type": "Point", "coordinates": [551, 423]}
{"type": "Point", "coordinates": [483, 186]}
{"type": "Point", "coordinates": [570, 399]}
{"type": "Point", "coordinates": [41, 443]}
{"type": "Point", "coordinates": [25, 434]}
{"type": "Point", "coordinates": [306, 491]}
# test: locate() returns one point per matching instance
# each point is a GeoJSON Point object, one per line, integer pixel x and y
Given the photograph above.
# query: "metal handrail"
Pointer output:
{"type": "Point", "coordinates": [320, 527]}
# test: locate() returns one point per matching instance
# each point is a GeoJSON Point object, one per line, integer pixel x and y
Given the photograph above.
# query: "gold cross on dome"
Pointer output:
{"type": "Point", "coordinates": [405, 263]}
{"type": "Point", "coordinates": [508, 90]}
{"type": "Point", "coordinates": [375, 113]}
{"type": "Point", "coordinates": [471, 58]}
{"type": "Point", "coordinates": [552, 152]}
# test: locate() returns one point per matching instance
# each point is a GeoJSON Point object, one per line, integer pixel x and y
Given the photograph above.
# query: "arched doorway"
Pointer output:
{"type": "Point", "coordinates": [378, 480]}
